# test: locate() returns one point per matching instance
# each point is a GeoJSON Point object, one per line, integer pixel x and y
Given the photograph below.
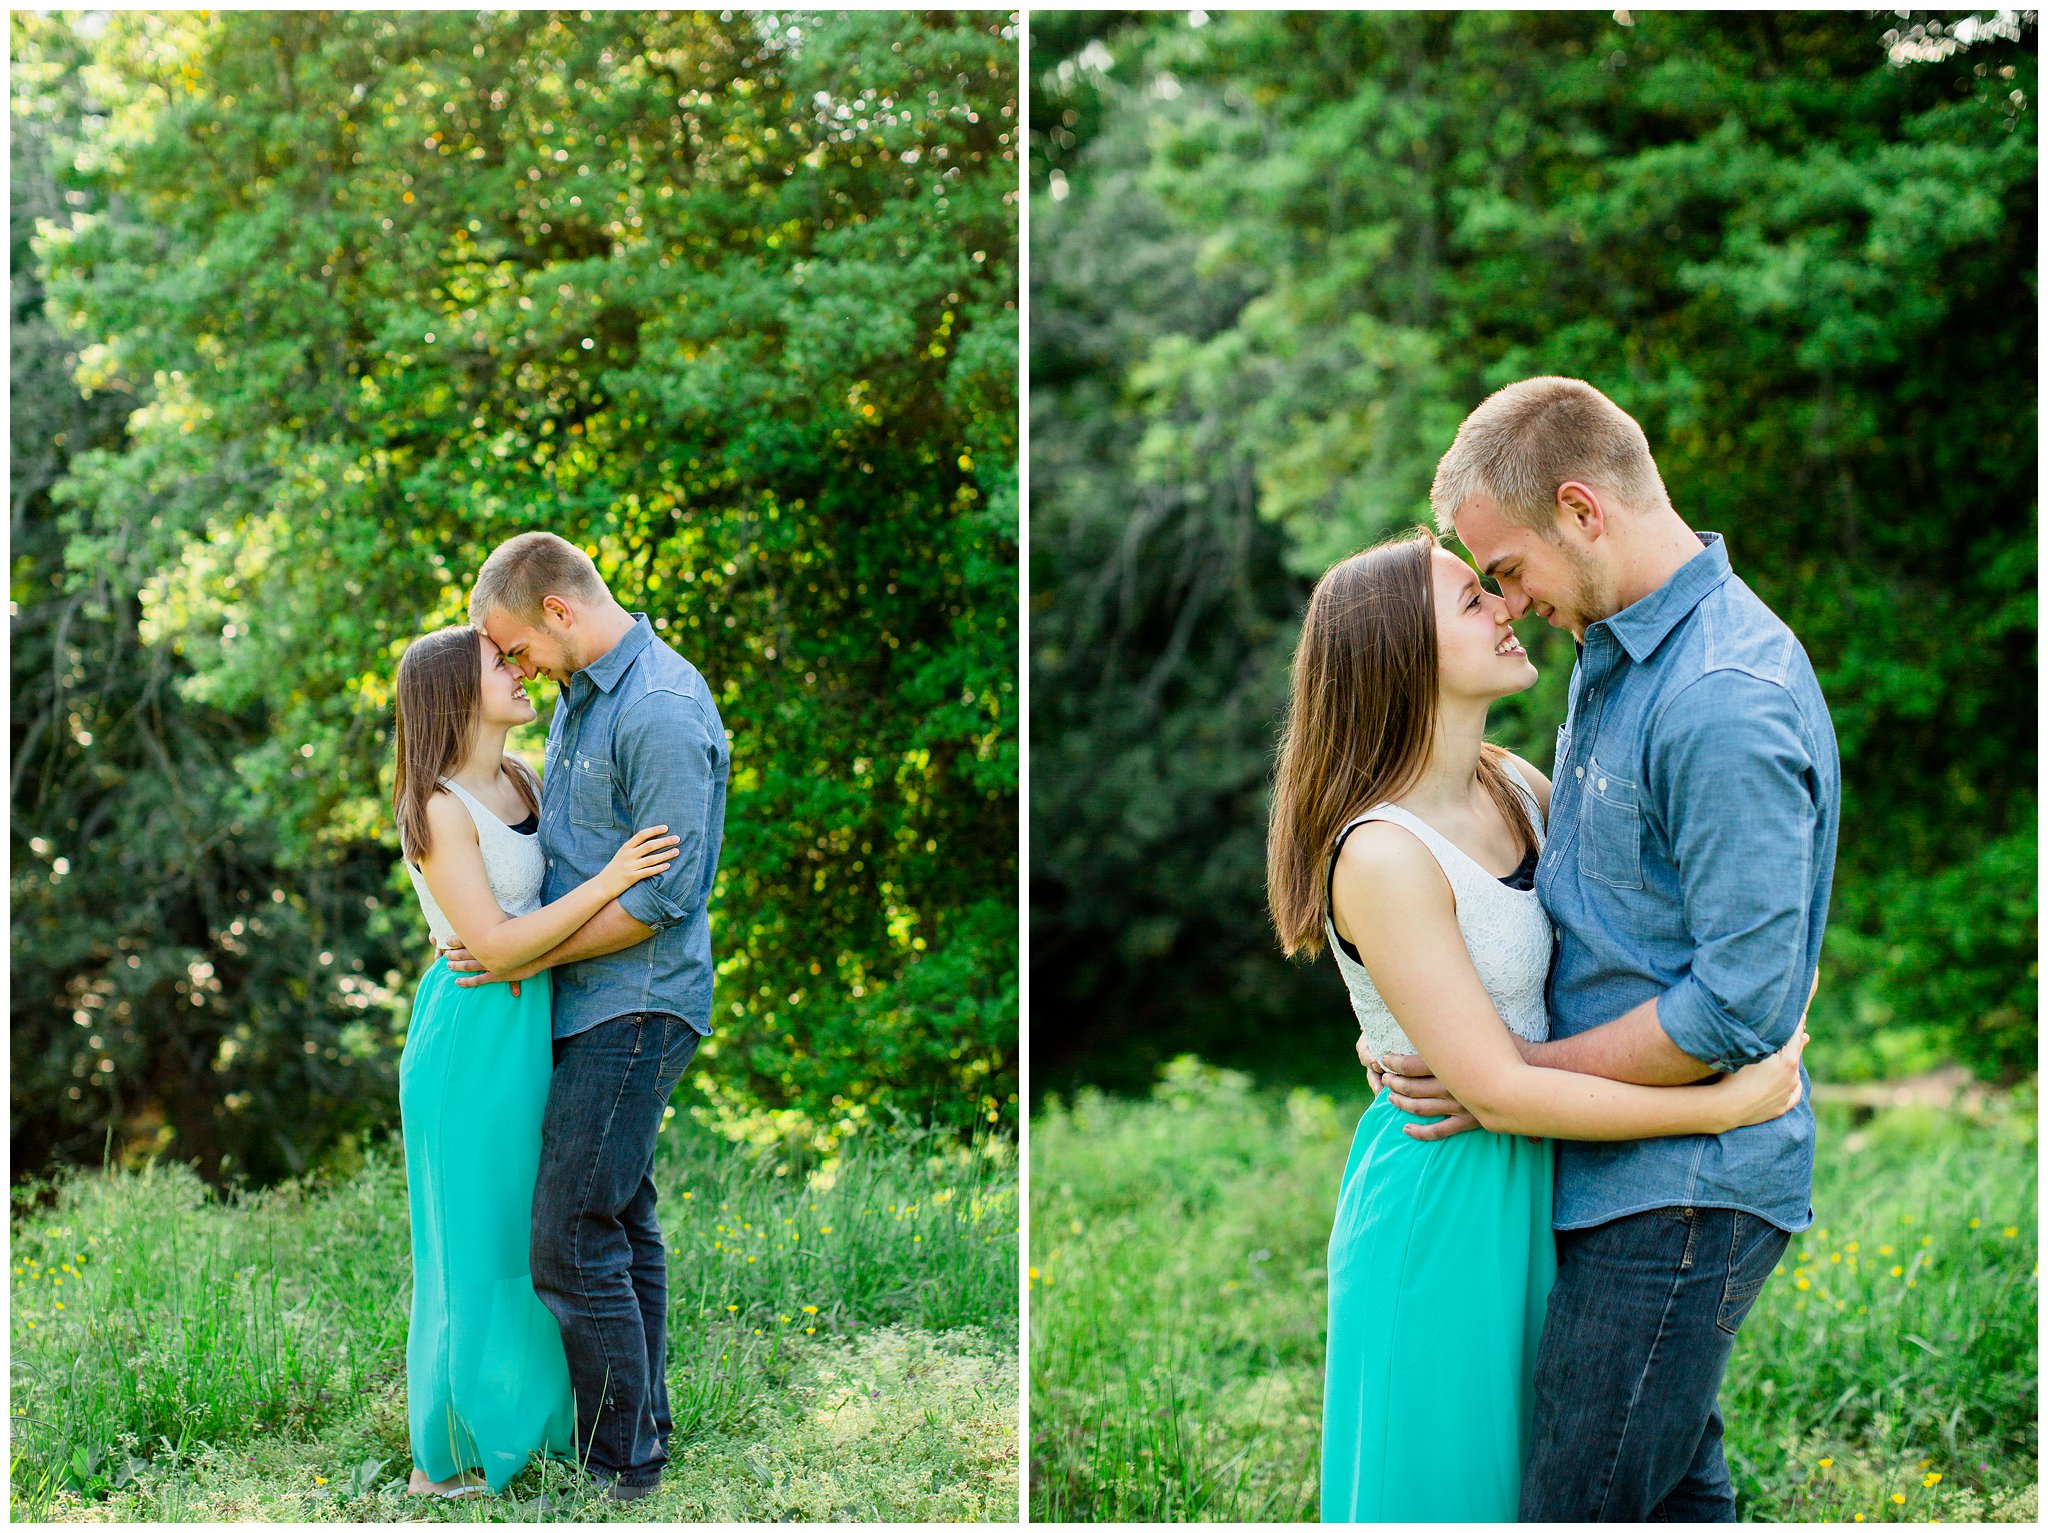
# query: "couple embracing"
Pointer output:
{"type": "Point", "coordinates": [1606, 971]}
{"type": "Point", "coordinates": [573, 992]}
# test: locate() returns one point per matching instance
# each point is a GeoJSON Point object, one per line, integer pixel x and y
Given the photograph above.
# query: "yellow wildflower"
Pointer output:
{"type": "Point", "coordinates": [1930, 1479]}
{"type": "Point", "coordinates": [1898, 1498]}
{"type": "Point", "coordinates": [1826, 1463]}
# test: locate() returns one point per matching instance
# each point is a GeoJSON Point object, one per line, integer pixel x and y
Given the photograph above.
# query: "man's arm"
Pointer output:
{"type": "Point", "coordinates": [1730, 766]}
{"type": "Point", "coordinates": [665, 758]}
{"type": "Point", "coordinates": [1633, 1047]}
{"type": "Point", "coordinates": [666, 761]}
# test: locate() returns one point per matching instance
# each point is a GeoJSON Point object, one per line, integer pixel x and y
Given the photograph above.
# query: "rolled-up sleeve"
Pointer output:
{"type": "Point", "coordinates": [1733, 777]}
{"type": "Point", "coordinates": [666, 761]}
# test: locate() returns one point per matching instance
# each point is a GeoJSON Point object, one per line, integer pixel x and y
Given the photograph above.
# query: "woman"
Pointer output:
{"type": "Point", "coordinates": [1409, 845]}
{"type": "Point", "coordinates": [487, 1383]}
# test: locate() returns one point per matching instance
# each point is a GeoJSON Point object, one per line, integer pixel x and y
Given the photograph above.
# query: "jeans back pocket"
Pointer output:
{"type": "Point", "coordinates": [679, 1043]}
{"type": "Point", "coordinates": [1754, 1247]}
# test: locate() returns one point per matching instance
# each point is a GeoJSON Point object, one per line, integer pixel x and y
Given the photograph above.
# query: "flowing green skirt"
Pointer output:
{"type": "Point", "coordinates": [1441, 1259]}
{"type": "Point", "coordinates": [487, 1383]}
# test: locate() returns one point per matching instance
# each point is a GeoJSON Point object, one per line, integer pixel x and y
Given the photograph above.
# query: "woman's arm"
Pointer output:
{"type": "Point", "coordinates": [454, 871]}
{"type": "Point", "coordinates": [1403, 920]}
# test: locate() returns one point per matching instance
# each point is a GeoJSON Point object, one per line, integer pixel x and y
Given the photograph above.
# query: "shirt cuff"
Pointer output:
{"type": "Point", "coordinates": [647, 905]}
{"type": "Point", "coordinates": [1693, 1021]}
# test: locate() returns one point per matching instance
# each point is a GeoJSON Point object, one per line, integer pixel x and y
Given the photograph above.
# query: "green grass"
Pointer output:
{"type": "Point", "coordinates": [841, 1345]}
{"type": "Point", "coordinates": [1178, 1293]}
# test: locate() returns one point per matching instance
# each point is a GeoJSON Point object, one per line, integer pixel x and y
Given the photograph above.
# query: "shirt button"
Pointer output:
{"type": "Point", "coordinates": [1578, 771]}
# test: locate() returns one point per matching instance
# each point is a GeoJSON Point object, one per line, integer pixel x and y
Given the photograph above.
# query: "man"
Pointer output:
{"type": "Point", "coordinates": [636, 741]}
{"type": "Point", "coordinates": [1691, 850]}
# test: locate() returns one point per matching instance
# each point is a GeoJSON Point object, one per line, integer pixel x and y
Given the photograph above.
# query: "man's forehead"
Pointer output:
{"type": "Point", "coordinates": [503, 632]}
{"type": "Point", "coordinates": [1488, 536]}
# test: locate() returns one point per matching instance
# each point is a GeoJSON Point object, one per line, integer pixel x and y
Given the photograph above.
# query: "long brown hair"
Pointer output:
{"type": "Point", "coordinates": [439, 702]}
{"type": "Point", "coordinates": [1361, 717]}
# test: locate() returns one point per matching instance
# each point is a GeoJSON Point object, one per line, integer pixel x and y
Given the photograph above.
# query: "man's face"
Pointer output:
{"type": "Point", "coordinates": [548, 650]}
{"type": "Point", "coordinates": [1559, 578]}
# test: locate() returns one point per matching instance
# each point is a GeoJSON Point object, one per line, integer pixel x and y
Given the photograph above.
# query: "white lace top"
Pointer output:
{"type": "Point", "coordinates": [512, 864]}
{"type": "Point", "coordinates": [1505, 931]}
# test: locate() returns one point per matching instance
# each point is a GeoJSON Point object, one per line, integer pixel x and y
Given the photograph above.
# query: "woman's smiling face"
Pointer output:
{"type": "Point", "coordinates": [503, 696]}
{"type": "Point", "coordinates": [1477, 652]}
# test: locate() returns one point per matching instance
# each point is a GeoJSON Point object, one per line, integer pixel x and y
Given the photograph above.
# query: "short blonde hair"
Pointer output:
{"type": "Point", "coordinates": [1531, 437]}
{"type": "Point", "coordinates": [522, 571]}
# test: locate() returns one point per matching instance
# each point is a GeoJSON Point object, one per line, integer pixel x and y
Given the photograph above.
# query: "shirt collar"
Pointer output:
{"type": "Point", "coordinates": [605, 671]}
{"type": "Point", "coordinates": [1641, 626]}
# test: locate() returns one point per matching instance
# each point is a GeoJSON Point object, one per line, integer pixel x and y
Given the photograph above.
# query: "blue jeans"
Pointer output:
{"type": "Point", "coordinates": [598, 1259]}
{"type": "Point", "coordinates": [1640, 1324]}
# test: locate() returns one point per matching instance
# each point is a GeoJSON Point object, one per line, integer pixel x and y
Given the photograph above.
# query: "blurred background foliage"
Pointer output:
{"type": "Point", "coordinates": [1276, 258]}
{"type": "Point", "coordinates": [310, 312]}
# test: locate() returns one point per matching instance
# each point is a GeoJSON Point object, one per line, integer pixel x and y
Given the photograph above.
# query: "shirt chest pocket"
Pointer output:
{"type": "Point", "coordinates": [1610, 829]}
{"type": "Point", "coordinates": [590, 792]}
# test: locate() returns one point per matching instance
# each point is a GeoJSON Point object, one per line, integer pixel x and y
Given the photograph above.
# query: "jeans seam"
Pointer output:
{"type": "Point", "coordinates": [1636, 1395]}
{"type": "Point", "coordinates": [576, 1247]}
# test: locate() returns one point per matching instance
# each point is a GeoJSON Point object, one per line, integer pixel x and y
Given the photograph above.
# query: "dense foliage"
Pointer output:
{"type": "Point", "coordinates": [727, 298]}
{"type": "Point", "coordinates": [1278, 256]}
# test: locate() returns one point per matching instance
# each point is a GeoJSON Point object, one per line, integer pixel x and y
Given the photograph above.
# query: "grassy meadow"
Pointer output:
{"type": "Point", "coordinates": [842, 1345]}
{"type": "Point", "coordinates": [1888, 1373]}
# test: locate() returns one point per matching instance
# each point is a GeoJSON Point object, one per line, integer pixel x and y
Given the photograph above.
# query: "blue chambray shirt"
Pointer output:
{"type": "Point", "coordinates": [1697, 794]}
{"type": "Point", "coordinates": [636, 741]}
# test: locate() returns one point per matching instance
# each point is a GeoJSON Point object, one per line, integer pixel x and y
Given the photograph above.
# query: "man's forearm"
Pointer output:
{"type": "Point", "coordinates": [1633, 1047]}
{"type": "Point", "coordinates": [606, 932]}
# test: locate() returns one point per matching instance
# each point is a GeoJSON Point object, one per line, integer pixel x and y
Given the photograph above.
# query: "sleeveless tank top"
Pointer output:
{"type": "Point", "coordinates": [1506, 932]}
{"type": "Point", "coordinates": [512, 866]}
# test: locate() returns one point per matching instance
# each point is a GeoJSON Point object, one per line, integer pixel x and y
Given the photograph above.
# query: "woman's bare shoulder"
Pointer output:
{"type": "Point", "coordinates": [446, 816]}
{"type": "Point", "coordinates": [1388, 857]}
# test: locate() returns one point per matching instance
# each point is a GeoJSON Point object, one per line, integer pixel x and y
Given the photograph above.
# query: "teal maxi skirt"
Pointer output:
{"type": "Point", "coordinates": [1441, 1259]}
{"type": "Point", "coordinates": [487, 1382]}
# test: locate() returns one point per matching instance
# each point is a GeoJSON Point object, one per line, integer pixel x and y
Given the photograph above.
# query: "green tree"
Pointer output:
{"type": "Point", "coordinates": [1798, 247]}
{"type": "Point", "coordinates": [729, 300]}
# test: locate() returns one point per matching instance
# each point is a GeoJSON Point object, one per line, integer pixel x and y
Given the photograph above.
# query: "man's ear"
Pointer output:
{"type": "Point", "coordinates": [1579, 508]}
{"type": "Point", "coordinates": [558, 609]}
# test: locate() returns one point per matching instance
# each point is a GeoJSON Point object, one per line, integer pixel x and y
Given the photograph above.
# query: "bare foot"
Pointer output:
{"type": "Point", "coordinates": [465, 1484]}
